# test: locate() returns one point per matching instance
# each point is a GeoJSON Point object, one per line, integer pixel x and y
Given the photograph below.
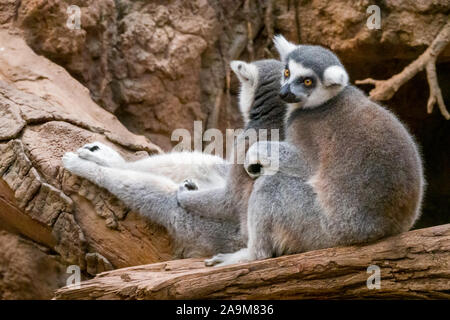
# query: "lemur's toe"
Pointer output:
{"type": "Point", "coordinates": [217, 259]}
{"type": "Point", "coordinates": [93, 148]}
{"type": "Point", "coordinates": [210, 262]}
{"type": "Point", "coordinates": [188, 185]}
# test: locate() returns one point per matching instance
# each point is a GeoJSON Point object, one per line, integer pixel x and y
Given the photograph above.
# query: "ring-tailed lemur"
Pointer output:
{"type": "Point", "coordinates": [349, 170]}
{"type": "Point", "coordinates": [208, 171]}
{"type": "Point", "coordinates": [201, 224]}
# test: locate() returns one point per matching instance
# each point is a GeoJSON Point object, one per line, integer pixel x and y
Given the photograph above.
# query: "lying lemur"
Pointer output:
{"type": "Point", "coordinates": [202, 222]}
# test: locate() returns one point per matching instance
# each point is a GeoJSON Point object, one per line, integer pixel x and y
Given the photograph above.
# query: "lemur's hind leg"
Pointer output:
{"type": "Point", "coordinates": [211, 203]}
{"type": "Point", "coordinates": [205, 170]}
{"type": "Point", "coordinates": [281, 204]}
{"type": "Point", "coordinates": [139, 191]}
{"type": "Point", "coordinates": [155, 198]}
{"type": "Point", "coordinates": [259, 244]}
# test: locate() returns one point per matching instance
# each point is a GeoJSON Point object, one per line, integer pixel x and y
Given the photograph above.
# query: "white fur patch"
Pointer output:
{"type": "Point", "coordinates": [335, 75]}
{"type": "Point", "coordinates": [297, 70]}
{"type": "Point", "coordinates": [320, 95]}
{"type": "Point", "coordinates": [224, 259]}
{"type": "Point", "coordinates": [247, 74]}
{"type": "Point", "coordinates": [179, 166]}
{"type": "Point", "coordinates": [313, 181]}
{"type": "Point", "coordinates": [283, 46]}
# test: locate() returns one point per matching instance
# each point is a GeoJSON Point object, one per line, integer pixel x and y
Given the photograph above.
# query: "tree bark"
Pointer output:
{"type": "Point", "coordinates": [414, 265]}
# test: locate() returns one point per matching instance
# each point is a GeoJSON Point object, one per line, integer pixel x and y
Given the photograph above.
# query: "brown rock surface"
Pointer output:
{"type": "Point", "coordinates": [27, 270]}
{"type": "Point", "coordinates": [158, 67]}
{"type": "Point", "coordinates": [44, 113]}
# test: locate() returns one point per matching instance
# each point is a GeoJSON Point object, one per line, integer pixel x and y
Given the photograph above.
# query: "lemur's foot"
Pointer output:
{"type": "Point", "coordinates": [216, 260]}
{"type": "Point", "coordinates": [100, 154]}
{"type": "Point", "coordinates": [188, 185]}
{"type": "Point", "coordinates": [225, 259]}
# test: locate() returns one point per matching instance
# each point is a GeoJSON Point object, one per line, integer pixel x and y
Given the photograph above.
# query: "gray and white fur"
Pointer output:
{"type": "Point", "coordinates": [349, 171]}
{"type": "Point", "coordinates": [202, 222]}
{"type": "Point", "coordinates": [262, 108]}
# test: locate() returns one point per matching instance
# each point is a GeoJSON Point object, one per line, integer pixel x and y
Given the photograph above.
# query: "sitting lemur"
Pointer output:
{"type": "Point", "coordinates": [349, 171]}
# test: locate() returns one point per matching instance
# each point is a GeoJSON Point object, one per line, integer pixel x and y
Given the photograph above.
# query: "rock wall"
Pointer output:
{"type": "Point", "coordinates": [149, 67]}
{"type": "Point", "coordinates": [44, 113]}
{"type": "Point", "coordinates": [28, 270]}
{"type": "Point", "coordinates": [157, 66]}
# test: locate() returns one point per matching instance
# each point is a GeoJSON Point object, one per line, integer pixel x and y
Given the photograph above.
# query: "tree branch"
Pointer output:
{"type": "Point", "coordinates": [385, 89]}
{"type": "Point", "coordinates": [415, 264]}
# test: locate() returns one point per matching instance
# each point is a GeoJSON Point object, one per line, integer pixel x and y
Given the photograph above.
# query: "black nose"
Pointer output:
{"type": "Point", "coordinates": [287, 96]}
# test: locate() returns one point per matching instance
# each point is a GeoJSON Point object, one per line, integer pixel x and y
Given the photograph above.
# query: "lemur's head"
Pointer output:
{"type": "Point", "coordinates": [260, 82]}
{"type": "Point", "coordinates": [312, 74]}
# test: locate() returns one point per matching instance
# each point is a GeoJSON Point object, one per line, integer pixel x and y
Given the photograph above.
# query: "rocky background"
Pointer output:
{"type": "Point", "coordinates": [137, 70]}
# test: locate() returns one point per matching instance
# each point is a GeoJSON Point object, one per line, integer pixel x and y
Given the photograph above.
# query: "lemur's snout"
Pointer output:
{"type": "Point", "coordinates": [287, 96]}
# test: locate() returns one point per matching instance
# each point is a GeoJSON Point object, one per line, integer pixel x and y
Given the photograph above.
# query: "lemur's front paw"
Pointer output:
{"type": "Point", "coordinates": [100, 154]}
{"type": "Point", "coordinates": [71, 162]}
{"type": "Point", "coordinates": [74, 164]}
{"type": "Point", "coordinates": [188, 185]}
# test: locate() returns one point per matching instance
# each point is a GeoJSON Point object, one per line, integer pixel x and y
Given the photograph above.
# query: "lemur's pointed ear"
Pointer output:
{"type": "Point", "coordinates": [335, 76]}
{"type": "Point", "coordinates": [283, 46]}
{"type": "Point", "coordinates": [246, 72]}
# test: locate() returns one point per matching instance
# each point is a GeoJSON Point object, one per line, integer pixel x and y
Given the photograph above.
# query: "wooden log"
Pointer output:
{"type": "Point", "coordinates": [415, 264]}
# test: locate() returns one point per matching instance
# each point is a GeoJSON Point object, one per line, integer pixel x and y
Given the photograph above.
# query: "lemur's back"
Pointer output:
{"type": "Point", "coordinates": [365, 163]}
{"type": "Point", "coordinates": [267, 112]}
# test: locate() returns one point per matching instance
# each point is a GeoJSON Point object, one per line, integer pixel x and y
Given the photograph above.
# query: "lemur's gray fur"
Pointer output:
{"type": "Point", "coordinates": [349, 171]}
{"type": "Point", "coordinates": [203, 222]}
{"type": "Point", "coordinates": [262, 108]}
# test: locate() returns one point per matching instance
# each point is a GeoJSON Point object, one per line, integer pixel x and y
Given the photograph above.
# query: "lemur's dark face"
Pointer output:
{"type": "Point", "coordinates": [312, 74]}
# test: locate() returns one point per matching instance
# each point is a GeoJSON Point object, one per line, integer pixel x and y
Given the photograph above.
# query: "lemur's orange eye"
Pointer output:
{"type": "Point", "coordinates": [307, 82]}
{"type": "Point", "coordinates": [287, 73]}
